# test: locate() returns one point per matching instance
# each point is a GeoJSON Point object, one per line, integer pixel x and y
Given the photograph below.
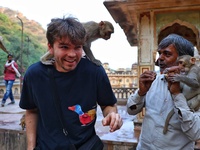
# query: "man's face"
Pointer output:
{"type": "Point", "coordinates": [67, 55]}
{"type": "Point", "coordinates": [167, 57]}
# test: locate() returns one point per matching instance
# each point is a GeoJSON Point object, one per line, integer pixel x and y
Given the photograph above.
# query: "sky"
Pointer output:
{"type": "Point", "coordinates": [116, 51]}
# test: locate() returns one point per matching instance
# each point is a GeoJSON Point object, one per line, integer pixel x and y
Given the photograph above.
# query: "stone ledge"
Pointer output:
{"type": "Point", "coordinates": [112, 145]}
{"type": "Point", "coordinates": [12, 140]}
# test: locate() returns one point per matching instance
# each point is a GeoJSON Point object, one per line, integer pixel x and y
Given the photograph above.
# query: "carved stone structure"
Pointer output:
{"type": "Point", "coordinates": [147, 22]}
{"type": "Point", "coordinates": [122, 77]}
{"type": "Point", "coordinates": [15, 88]}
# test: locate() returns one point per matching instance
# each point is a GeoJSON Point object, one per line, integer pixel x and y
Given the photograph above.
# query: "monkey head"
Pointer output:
{"type": "Point", "coordinates": [185, 63]}
{"type": "Point", "coordinates": [105, 29]}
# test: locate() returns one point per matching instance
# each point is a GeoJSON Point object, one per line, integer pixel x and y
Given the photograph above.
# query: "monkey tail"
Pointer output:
{"type": "Point", "coordinates": [169, 116]}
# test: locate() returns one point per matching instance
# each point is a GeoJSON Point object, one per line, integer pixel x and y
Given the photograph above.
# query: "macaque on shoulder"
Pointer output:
{"type": "Point", "coordinates": [188, 74]}
{"type": "Point", "coordinates": [94, 31]}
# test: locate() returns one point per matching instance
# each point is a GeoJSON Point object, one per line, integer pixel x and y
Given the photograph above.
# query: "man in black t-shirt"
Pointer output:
{"type": "Point", "coordinates": [80, 85]}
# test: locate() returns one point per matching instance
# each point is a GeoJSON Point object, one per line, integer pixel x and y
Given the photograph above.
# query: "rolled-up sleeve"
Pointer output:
{"type": "Point", "coordinates": [135, 100]}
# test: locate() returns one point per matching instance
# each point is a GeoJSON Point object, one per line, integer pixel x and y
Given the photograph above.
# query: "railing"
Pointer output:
{"type": "Point", "coordinates": [122, 94]}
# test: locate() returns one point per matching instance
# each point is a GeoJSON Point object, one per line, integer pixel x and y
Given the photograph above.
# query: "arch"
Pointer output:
{"type": "Point", "coordinates": [16, 91]}
{"type": "Point", "coordinates": [1, 91]}
{"type": "Point", "coordinates": [185, 29]}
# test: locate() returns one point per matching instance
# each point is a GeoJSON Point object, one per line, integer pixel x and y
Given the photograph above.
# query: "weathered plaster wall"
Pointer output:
{"type": "Point", "coordinates": [192, 17]}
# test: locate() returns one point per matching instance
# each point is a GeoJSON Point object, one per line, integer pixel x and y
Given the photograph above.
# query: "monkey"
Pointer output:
{"type": "Point", "coordinates": [94, 31]}
{"type": "Point", "coordinates": [22, 122]}
{"type": "Point", "coordinates": [188, 74]}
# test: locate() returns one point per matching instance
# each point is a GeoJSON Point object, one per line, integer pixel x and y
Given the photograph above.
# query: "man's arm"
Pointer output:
{"type": "Point", "coordinates": [136, 100]}
{"type": "Point", "coordinates": [190, 121]}
{"type": "Point", "coordinates": [112, 118]}
{"type": "Point", "coordinates": [31, 127]}
{"type": "Point", "coordinates": [135, 103]}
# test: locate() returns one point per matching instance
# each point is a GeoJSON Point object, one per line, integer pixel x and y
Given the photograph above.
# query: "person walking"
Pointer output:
{"type": "Point", "coordinates": [10, 72]}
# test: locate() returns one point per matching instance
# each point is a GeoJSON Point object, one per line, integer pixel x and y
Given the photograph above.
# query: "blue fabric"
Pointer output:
{"type": "Point", "coordinates": [85, 86]}
{"type": "Point", "coordinates": [9, 85]}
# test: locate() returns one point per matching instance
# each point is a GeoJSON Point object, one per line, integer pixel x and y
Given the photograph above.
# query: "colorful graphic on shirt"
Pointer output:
{"type": "Point", "coordinates": [84, 117]}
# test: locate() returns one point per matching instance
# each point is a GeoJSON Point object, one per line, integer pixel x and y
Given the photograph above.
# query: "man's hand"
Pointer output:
{"type": "Point", "coordinates": [174, 87]}
{"type": "Point", "coordinates": [113, 120]}
{"type": "Point", "coordinates": [145, 82]}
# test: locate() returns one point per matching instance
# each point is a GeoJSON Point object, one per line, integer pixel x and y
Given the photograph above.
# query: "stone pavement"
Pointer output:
{"type": "Point", "coordinates": [10, 116]}
{"type": "Point", "coordinates": [125, 134]}
{"type": "Point", "coordinates": [12, 108]}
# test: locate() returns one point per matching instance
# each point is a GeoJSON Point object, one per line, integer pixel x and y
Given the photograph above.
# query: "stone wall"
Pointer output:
{"type": "Point", "coordinates": [12, 140]}
{"type": "Point", "coordinates": [16, 140]}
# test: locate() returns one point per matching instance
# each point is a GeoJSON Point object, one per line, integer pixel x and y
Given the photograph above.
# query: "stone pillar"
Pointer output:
{"type": "Point", "coordinates": [146, 51]}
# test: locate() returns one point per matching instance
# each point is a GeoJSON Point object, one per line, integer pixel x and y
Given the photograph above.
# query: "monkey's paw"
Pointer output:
{"type": "Point", "coordinates": [23, 125]}
{"type": "Point", "coordinates": [22, 122]}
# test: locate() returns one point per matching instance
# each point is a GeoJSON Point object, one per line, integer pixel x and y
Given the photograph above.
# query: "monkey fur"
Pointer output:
{"type": "Point", "coordinates": [94, 31]}
{"type": "Point", "coordinates": [22, 122]}
{"type": "Point", "coordinates": [188, 74]}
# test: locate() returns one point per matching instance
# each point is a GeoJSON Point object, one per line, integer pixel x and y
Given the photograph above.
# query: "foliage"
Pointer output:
{"type": "Point", "coordinates": [34, 41]}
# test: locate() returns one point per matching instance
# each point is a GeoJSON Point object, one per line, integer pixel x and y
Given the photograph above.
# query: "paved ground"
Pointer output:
{"type": "Point", "coordinates": [10, 116]}
{"type": "Point", "coordinates": [125, 134]}
{"type": "Point", "coordinates": [12, 108]}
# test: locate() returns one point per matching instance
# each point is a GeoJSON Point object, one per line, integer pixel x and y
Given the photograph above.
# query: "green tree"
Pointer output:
{"type": "Point", "coordinates": [10, 31]}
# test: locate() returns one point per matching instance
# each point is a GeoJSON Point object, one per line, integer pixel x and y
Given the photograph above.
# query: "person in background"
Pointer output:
{"type": "Point", "coordinates": [158, 97]}
{"type": "Point", "coordinates": [10, 72]}
{"type": "Point", "coordinates": [81, 86]}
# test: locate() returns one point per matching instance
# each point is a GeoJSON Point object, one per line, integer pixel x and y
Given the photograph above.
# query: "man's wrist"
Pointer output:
{"type": "Point", "coordinates": [175, 95]}
{"type": "Point", "coordinates": [140, 93]}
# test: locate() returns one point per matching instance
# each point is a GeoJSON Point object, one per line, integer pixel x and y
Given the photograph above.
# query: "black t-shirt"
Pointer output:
{"type": "Point", "coordinates": [79, 92]}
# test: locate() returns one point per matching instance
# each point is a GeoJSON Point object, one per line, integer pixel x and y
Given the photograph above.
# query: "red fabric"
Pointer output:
{"type": "Point", "coordinates": [9, 72]}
